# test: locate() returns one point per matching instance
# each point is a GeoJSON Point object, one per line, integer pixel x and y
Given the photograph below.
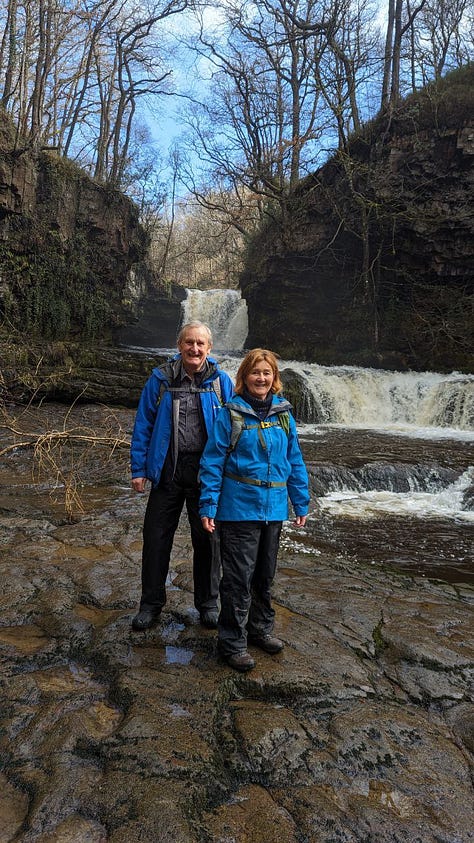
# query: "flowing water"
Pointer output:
{"type": "Point", "coordinates": [225, 311]}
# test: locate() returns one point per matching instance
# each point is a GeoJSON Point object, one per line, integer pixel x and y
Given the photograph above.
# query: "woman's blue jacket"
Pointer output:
{"type": "Point", "coordinates": [153, 428]}
{"type": "Point", "coordinates": [253, 481]}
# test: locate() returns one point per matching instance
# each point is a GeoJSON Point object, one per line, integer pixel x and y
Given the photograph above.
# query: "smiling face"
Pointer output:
{"type": "Point", "coordinates": [258, 373]}
{"type": "Point", "coordinates": [259, 379]}
{"type": "Point", "coordinates": [194, 346]}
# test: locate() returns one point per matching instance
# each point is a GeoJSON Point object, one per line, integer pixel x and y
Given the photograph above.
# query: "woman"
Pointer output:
{"type": "Point", "coordinates": [251, 463]}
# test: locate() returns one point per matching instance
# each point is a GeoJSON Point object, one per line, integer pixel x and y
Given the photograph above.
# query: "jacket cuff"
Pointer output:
{"type": "Point", "coordinates": [208, 512]}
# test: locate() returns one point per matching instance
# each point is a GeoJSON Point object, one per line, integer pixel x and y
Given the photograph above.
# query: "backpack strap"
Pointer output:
{"type": "Point", "coordinates": [215, 387]}
{"type": "Point", "coordinates": [163, 388]}
{"type": "Point", "coordinates": [284, 419]}
{"type": "Point", "coordinates": [239, 424]}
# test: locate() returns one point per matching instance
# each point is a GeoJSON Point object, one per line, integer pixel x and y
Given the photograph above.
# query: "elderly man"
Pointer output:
{"type": "Point", "coordinates": [176, 411]}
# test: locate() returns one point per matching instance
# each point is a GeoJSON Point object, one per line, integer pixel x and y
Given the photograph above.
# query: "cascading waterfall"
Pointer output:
{"type": "Point", "coordinates": [426, 405]}
{"type": "Point", "coordinates": [379, 476]}
{"type": "Point", "coordinates": [451, 500]}
{"type": "Point", "coordinates": [354, 396]}
{"type": "Point", "coordinates": [225, 311]}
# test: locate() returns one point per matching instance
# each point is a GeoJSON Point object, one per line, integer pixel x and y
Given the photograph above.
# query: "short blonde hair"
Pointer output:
{"type": "Point", "coordinates": [250, 360]}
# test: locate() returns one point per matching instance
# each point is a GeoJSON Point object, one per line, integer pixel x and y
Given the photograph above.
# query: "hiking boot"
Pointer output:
{"type": "Point", "coordinates": [208, 618]}
{"type": "Point", "coordinates": [241, 661]}
{"type": "Point", "coordinates": [267, 642]}
{"type": "Point", "coordinates": [145, 619]}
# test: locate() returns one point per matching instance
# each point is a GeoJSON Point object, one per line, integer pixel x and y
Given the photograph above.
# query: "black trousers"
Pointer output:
{"type": "Point", "coordinates": [164, 508]}
{"type": "Point", "coordinates": [249, 552]}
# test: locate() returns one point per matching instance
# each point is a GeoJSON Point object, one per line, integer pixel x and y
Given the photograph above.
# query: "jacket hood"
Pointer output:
{"type": "Point", "coordinates": [278, 405]}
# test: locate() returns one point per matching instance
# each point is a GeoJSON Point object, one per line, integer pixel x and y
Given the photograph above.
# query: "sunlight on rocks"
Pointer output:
{"type": "Point", "coordinates": [27, 639]}
{"type": "Point", "coordinates": [97, 617]}
{"type": "Point", "coordinates": [99, 720]}
{"type": "Point", "coordinates": [76, 829]}
{"type": "Point", "coordinates": [384, 794]}
{"type": "Point", "coordinates": [66, 680]}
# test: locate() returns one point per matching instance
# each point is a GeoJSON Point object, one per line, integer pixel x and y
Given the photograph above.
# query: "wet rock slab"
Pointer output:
{"type": "Point", "coordinates": [360, 731]}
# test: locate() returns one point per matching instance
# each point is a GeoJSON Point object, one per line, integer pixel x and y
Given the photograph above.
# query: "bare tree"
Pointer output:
{"type": "Point", "coordinates": [198, 245]}
{"type": "Point", "coordinates": [74, 73]}
{"type": "Point", "coordinates": [257, 128]}
{"type": "Point", "coordinates": [401, 19]}
{"type": "Point", "coordinates": [8, 55]}
{"type": "Point", "coordinates": [441, 41]}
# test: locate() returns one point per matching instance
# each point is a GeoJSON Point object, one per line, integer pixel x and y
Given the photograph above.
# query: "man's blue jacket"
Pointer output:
{"type": "Point", "coordinates": [158, 407]}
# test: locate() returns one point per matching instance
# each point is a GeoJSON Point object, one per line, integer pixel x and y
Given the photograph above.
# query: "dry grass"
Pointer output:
{"type": "Point", "coordinates": [65, 456]}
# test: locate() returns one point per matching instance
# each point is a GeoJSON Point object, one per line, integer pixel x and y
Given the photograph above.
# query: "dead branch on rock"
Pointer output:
{"type": "Point", "coordinates": [68, 457]}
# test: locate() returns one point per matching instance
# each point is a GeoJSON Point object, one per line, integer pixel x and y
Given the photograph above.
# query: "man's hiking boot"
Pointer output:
{"type": "Point", "coordinates": [267, 642]}
{"type": "Point", "coordinates": [145, 619]}
{"type": "Point", "coordinates": [241, 661]}
{"type": "Point", "coordinates": [208, 618]}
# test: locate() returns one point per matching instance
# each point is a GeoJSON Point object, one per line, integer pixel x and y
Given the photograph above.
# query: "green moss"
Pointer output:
{"type": "Point", "coordinates": [54, 288]}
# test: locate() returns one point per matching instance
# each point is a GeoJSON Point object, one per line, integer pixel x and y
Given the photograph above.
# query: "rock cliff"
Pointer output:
{"type": "Point", "coordinates": [72, 251]}
{"type": "Point", "coordinates": [372, 261]}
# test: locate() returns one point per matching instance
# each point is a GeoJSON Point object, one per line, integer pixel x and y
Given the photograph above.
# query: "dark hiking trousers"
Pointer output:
{"type": "Point", "coordinates": [249, 552]}
{"type": "Point", "coordinates": [164, 508]}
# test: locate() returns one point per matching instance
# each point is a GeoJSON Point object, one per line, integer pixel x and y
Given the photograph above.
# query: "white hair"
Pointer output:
{"type": "Point", "coordinates": [194, 324]}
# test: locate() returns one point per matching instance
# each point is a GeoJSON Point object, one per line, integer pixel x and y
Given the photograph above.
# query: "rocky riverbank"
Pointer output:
{"type": "Point", "coordinates": [361, 731]}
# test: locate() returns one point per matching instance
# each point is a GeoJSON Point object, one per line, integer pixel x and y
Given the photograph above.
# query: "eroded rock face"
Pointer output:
{"type": "Point", "coordinates": [71, 372]}
{"type": "Point", "coordinates": [159, 316]}
{"type": "Point", "coordinates": [360, 730]}
{"type": "Point", "coordinates": [68, 247]}
{"type": "Point", "coordinates": [371, 262]}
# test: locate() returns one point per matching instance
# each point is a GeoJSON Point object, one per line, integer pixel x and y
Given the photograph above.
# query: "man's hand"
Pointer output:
{"type": "Point", "coordinates": [208, 524]}
{"type": "Point", "coordinates": [138, 484]}
{"type": "Point", "coordinates": [300, 521]}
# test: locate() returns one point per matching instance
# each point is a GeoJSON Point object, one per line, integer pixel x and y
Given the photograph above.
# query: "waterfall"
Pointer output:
{"type": "Point", "coordinates": [353, 396]}
{"type": "Point", "coordinates": [428, 500]}
{"type": "Point", "coordinates": [225, 311]}
{"type": "Point", "coordinates": [392, 477]}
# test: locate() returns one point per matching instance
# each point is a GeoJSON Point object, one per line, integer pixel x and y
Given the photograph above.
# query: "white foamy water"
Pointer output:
{"type": "Point", "coordinates": [309, 431]}
{"type": "Point", "coordinates": [354, 396]}
{"type": "Point", "coordinates": [427, 405]}
{"type": "Point", "coordinates": [446, 503]}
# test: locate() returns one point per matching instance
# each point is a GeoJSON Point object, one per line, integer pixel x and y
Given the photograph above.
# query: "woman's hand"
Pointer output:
{"type": "Point", "coordinates": [300, 521]}
{"type": "Point", "coordinates": [138, 484]}
{"type": "Point", "coordinates": [208, 524]}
